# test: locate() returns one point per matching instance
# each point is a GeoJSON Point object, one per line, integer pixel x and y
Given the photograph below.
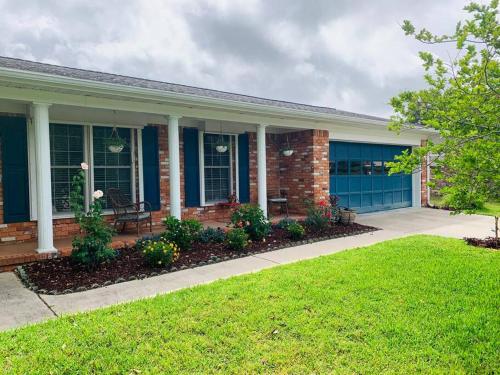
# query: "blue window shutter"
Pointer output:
{"type": "Point", "coordinates": [243, 168]}
{"type": "Point", "coordinates": [13, 132]}
{"type": "Point", "coordinates": [191, 167]}
{"type": "Point", "coordinates": [151, 166]}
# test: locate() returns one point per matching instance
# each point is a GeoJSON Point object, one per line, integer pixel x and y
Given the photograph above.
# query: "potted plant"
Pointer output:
{"type": "Point", "coordinates": [347, 216]}
{"type": "Point", "coordinates": [221, 145]}
{"type": "Point", "coordinates": [287, 150]}
{"type": "Point", "coordinates": [115, 143]}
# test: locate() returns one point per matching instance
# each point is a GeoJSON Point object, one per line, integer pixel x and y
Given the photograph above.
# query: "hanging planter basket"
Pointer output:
{"type": "Point", "coordinates": [287, 150]}
{"type": "Point", "coordinates": [115, 143]}
{"type": "Point", "coordinates": [221, 148]}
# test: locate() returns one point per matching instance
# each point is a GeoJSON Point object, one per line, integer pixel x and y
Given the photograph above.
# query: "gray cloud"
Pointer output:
{"type": "Point", "coordinates": [344, 54]}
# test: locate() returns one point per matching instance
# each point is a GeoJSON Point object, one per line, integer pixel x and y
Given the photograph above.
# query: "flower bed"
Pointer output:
{"type": "Point", "coordinates": [488, 242]}
{"type": "Point", "coordinates": [61, 275]}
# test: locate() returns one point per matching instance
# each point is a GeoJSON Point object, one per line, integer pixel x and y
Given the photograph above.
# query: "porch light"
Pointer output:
{"type": "Point", "coordinates": [287, 151]}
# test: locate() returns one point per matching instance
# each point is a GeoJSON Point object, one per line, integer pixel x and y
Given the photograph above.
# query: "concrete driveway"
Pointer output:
{"type": "Point", "coordinates": [430, 221]}
{"type": "Point", "coordinates": [20, 306]}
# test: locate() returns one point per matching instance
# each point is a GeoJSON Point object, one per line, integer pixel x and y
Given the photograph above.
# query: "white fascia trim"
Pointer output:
{"type": "Point", "coordinates": [153, 94]}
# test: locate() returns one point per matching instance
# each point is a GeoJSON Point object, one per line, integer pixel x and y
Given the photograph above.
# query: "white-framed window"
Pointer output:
{"type": "Point", "coordinates": [72, 144]}
{"type": "Point", "coordinates": [217, 169]}
{"type": "Point", "coordinates": [67, 151]}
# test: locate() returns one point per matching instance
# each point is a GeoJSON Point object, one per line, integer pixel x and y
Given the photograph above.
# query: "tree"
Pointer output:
{"type": "Point", "coordinates": [461, 103]}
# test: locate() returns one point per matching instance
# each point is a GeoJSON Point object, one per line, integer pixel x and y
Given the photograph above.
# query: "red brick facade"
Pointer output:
{"type": "Point", "coordinates": [304, 175]}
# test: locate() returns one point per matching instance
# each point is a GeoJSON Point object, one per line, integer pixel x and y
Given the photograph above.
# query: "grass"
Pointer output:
{"type": "Point", "coordinates": [489, 209]}
{"type": "Point", "coordinates": [418, 304]}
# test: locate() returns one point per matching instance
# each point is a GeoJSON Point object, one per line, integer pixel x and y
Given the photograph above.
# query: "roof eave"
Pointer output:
{"type": "Point", "coordinates": [96, 87]}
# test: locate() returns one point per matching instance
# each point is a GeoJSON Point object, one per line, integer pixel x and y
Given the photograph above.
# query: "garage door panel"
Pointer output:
{"type": "Point", "coordinates": [366, 184]}
{"type": "Point", "coordinates": [355, 200]}
{"type": "Point", "coordinates": [359, 176]}
{"type": "Point", "coordinates": [377, 199]}
{"type": "Point", "coordinates": [342, 184]}
{"type": "Point", "coordinates": [378, 183]}
{"type": "Point", "coordinates": [366, 200]}
{"type": "Point", "coordinates": [354, 184]}
{"type": "Point", "coordinates": [388, 198]}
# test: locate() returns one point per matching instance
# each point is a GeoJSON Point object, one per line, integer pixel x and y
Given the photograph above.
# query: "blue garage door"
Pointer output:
{"type": "Point", "coordinates": [359, 176]}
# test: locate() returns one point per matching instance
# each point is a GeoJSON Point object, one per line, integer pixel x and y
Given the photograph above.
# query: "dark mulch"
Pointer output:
{"type": "Point", "coordinates": [61, 275]}
{"type": "Point", "coordinates": [488, 242]}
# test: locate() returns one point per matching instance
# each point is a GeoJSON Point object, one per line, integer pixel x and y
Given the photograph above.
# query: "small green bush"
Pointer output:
{"type": "Point", "coordinates": [251, 218]}
{"type": "Point", "coordinates": [212, 235]}
{"type": "Point", "coordinates": [296, 231]}
{"type": "Point", "coordinates": [237, 239]}
{"type": "Point", "coordinates": [90, 252]}
{"type": "Point", "coordinates": [181, 232]}
{"type": "Point", "coordinates": [159, 253]}
{"type": "Point", "coordinates": [284, 223]}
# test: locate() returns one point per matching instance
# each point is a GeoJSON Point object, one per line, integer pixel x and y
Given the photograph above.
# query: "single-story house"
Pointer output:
{"type": "Point", "coordinates": [52, 118]}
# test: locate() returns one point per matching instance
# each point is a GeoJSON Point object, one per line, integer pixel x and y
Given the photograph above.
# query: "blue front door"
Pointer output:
{"type": "Point", "coordinates": [359, 176]}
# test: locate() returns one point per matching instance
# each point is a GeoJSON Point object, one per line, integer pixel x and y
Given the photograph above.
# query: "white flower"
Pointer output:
{"type": "Point", "coordinates": [84, 166]}
{"type": "Point", "coordinates": [98, 194]}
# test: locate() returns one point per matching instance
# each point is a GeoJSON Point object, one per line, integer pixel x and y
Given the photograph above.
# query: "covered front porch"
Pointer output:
{"type": "Point", "coordinates": [169, 161]}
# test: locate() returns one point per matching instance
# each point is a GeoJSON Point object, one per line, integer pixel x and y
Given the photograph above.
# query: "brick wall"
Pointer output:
{"type": "Point", "coordinates": [304, 175]}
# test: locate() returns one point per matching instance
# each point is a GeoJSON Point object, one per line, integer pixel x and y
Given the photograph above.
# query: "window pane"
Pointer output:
{"type": "Point", "coordinates": [342, 167]}
{"type": "Point", "coordinates": [66, 154]}
{"type": "Point", "coordinates": [332, 167]}
{"type": "Point", "coordinates": [386, 168]}
{"type": "Point", "coordinates": [367, 167]}
{"type": "Point", "coordinates": [111, 170]}
{"type": "Point", "coordinates": [355, 168]}
{"type": "Point", "coordinates": [217, 169]}
{"type": "Point", "coordinates": [377, 167]}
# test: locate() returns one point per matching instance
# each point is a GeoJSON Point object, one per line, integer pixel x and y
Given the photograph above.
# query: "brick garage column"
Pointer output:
{"type": "Point", "coordinates": [261, 167]}
{"type": "Point", "coordinates": [40, 113]}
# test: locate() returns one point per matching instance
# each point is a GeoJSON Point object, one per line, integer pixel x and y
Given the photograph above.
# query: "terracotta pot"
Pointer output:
{"type": "Point", "coordinates": [347, 216]}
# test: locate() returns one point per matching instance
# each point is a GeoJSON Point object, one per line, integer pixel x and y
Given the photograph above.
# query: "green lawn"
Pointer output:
{"type": "Point", "coordinates": [419, 304]}
{"type": "Point", "coordinates": [490, 208]}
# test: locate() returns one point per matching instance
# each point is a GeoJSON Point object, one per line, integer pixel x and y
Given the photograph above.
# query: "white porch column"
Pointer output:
{"type": "Point", "coordinates": [174, 166]}
{"type": "Point", "coordinates": [261, 167]}
{"type": "Point", "coordinates": [40, 115]}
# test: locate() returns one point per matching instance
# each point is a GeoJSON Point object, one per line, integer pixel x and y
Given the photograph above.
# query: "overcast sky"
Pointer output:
{"type": "Point", "coordinates": [346, 54]}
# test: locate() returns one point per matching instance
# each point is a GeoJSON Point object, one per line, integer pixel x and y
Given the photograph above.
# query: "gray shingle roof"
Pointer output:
{"type": "Point", "coordinates": [56, 70]}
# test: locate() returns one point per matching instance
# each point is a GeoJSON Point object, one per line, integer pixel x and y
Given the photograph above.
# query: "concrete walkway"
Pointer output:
{"type": "Point", "coordinates": [20, 306]}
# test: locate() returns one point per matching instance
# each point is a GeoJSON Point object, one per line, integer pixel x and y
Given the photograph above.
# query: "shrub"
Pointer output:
{"type": "Point", "coordinates": [212, 235]}
{"type": "Point", "coordinates": [284, 223]}
{"type": "Point", "coordinates": [296, 231]}
{"type": "Point", "coordinates": [143, 241]}
{"type": "Point", "coordinates": [94, 246]}
{"type": "Point", "coordinates": [252, 219]}
{"type": "Point", "coordinates": [159, 253]}
{"type": "Point", "coordinates": [181, 232]}
{"type": "Point", "coordinates": [237, 239]}
{"type": "Point", "coordinates": [319, 216]}
{"type": "Point", "coordinates": [90, 252]}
